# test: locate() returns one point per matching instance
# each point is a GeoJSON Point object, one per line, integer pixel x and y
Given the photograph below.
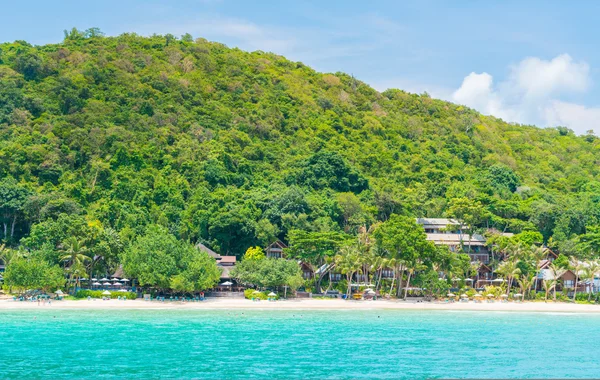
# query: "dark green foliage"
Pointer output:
{"type": "Point", "coordinates": [235, 149]}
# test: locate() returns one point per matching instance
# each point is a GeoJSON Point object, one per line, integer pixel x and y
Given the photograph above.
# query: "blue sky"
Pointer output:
{"type": "Point", "coordinates": [525, 61]}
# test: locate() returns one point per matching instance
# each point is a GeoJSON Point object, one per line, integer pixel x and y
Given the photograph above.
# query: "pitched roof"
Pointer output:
{"type": "Point", "coordinates": [204, 248]}
{"type": "Point", "coordinates": [437, 222]}
{"type": "Point", "coordinates": [119, 272]}
{"type": "Point", "coordinates": [226, 260]}
{"type": "Point", "coordinates": [225, 271]}
{"type": "Point", "coordinates": [277, 243]}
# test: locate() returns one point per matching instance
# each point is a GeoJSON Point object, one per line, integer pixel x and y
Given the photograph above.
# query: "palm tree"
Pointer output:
{"type": "Point", "coordinates": [348, 262]}
{"type": "Point", "coordinates": [416, 266]}
{"type": "Point", "coordinates": [577, 266]}
{"type": "Point", "coordinates": [592, 269]}
{"type": "Point", "coordinates": [556, 273]}
{"type": "Point", "coordinates": [510, 270]}
{"type": "Point", "coordinates": [525, 282]}
{"type": "Point", "coordinates": [548, 284]}
{"type": "Point", "coordinates": [7, 254]}
{"type": "Point", "coordinates": [75, 254]}
{"type": "Point", "coordinates": [75, 251]}
{"type": "Point", "coordinates": [537, 255]}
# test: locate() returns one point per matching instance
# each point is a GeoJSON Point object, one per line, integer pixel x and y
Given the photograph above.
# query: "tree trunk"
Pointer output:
{"type": "Point", "coordinates": [349, 280]}
{"type": "Point", "coordinates": [400, 275]}
{"type": "Point", "coordinates": [12, 227]}
{"type": "Point", "coordinates": [407, 284]}
{"type": "Point", "coordinates": [575, 291]}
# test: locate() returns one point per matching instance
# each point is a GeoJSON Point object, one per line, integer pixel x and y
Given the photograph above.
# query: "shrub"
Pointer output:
{"type": "Point", "coordinates": [98, 294]}
{"type": "Point", "coordinates": [249, 294]}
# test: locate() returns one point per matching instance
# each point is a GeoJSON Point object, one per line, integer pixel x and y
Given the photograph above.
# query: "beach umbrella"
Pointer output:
{"type": "Point", "coordinates": [107, 284]}
{"type": "Point", "coordinates": [124, 280]}
{"type": "Point", "coordinates": [504, 296]}
{"type": "Point", "coordinates": [96, 284]}
{"type": "Point", "coordinates": [490, 295]}
{"type": "Point", "coordinates": [518, 295]}
{"type": "Point", "coordinates": [469, 279]}
{"type": "Point", "coordinates": [117, 284]}
{"type": "Point", "coordinates": [272, 294]}
{"type": "Point", "coordinates": [104, 279]}
{"type": "Point", "coordinates": [256, 292]}
{"type": "Point", "coordinates": [477, 295]}
{"type": "Point", "coordinates": [115, 279]}
{"type": "Point", "coordinates": [59, 292]}
{"type": "Point", "coordinates": [94, 279]}
{"type": "Point", "coordinates": [464, 296]}
{"type": "Point", "coordinates": [227, 283]}
{"type": "Point", "coordinates": [451, 295]}
{"type": "Point", "coordinates": [106, 293]}
{"type": "Point", "coordinates": [456, 279]}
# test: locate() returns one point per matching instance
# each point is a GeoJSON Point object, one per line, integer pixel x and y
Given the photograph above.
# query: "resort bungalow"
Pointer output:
{"type": "Point", "coordinates": [450, 233]}
{"type": "Point", "coordinates": [275, 250]}
{"type": "Point", "coordinates": [225, 263]}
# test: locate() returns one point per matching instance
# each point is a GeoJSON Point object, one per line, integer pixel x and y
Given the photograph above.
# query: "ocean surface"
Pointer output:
{"type": "Point", "coordinates": [296, 344]}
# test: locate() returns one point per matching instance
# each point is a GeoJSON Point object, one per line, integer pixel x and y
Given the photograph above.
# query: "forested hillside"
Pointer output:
{"type": "Point", "coordinates": [103, 136]}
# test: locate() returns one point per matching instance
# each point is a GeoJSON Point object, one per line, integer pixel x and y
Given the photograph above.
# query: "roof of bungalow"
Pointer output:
{"type": "Point", "coordinates": [547, 274]}
{"type": "Point", "coordinates": [437, 222]}
{"type": "Point", "coordinates": [225, 271]}
{"type": "Point", "coordinates": [453, 239]}
{"type": "Point", "coordinates": [205, 249]}
{"type": "Point", "coordinates": [229, 260]}
{"type": "Point", "coordinates": [277, 244]}
{"type": "Point", "coordinates": [119, 272]}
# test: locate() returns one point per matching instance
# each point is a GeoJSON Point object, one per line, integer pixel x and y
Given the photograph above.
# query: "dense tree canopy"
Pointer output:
{"type": "Point", "coordinates": [101, 137]}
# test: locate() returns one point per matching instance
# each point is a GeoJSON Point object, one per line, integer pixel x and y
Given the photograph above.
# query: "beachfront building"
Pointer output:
{"type": "Point", "coordinates": [225, 263]}
{"type": "Point", "coordinates": [449, 232]}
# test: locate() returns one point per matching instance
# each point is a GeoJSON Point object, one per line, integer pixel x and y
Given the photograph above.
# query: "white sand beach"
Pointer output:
{"type": "Point", "coordinates": [304, 304]}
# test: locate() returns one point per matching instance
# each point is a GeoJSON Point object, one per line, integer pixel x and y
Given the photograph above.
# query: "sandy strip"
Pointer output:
{"type": "Point", "coordinates": [305, 304]}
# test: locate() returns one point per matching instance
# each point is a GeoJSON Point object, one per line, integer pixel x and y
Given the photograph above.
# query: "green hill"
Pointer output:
{"type": "Point", "coordinates": [234, 148]}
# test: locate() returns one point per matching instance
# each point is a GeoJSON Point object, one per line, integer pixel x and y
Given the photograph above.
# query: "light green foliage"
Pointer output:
{"type": "Point", "coordinates": [235, 149]}
{"type": "Point", "coordinates": [160, 260]}
{"type": "Point", "coordinates": [267, 273]}
{"type": "Point", "coordinates": [254, 253]}
{"type": "Point", "coordinates": [562, 261]}
{"type": "Point", "coordinates": [23, 274]}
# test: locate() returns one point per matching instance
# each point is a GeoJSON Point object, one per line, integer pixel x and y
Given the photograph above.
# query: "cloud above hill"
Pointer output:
{"type": "Point", "coordinates": [532, 93]}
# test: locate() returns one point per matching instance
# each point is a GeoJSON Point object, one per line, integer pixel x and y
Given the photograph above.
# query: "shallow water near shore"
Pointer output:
{"type": "Point", "coordinates": [232, 344]}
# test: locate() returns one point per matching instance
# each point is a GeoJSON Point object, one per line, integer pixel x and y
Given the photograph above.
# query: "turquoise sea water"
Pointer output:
{"type": "Point", "coordinates": [296, 344]}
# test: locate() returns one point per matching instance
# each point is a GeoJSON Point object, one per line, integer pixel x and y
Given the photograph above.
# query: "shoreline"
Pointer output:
{"type": "Point", "coordinates": [304, 304]}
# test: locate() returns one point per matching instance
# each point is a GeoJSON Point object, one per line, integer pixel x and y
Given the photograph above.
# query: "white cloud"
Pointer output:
{"type": "Point", "coordinates": [477, 92]}
{"type": "Point", "coordinates": [532, 92]}
{"type": "Point", "coordinates": [539, 78]}
{"type": "Point", "coordinates": [575, 116]}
